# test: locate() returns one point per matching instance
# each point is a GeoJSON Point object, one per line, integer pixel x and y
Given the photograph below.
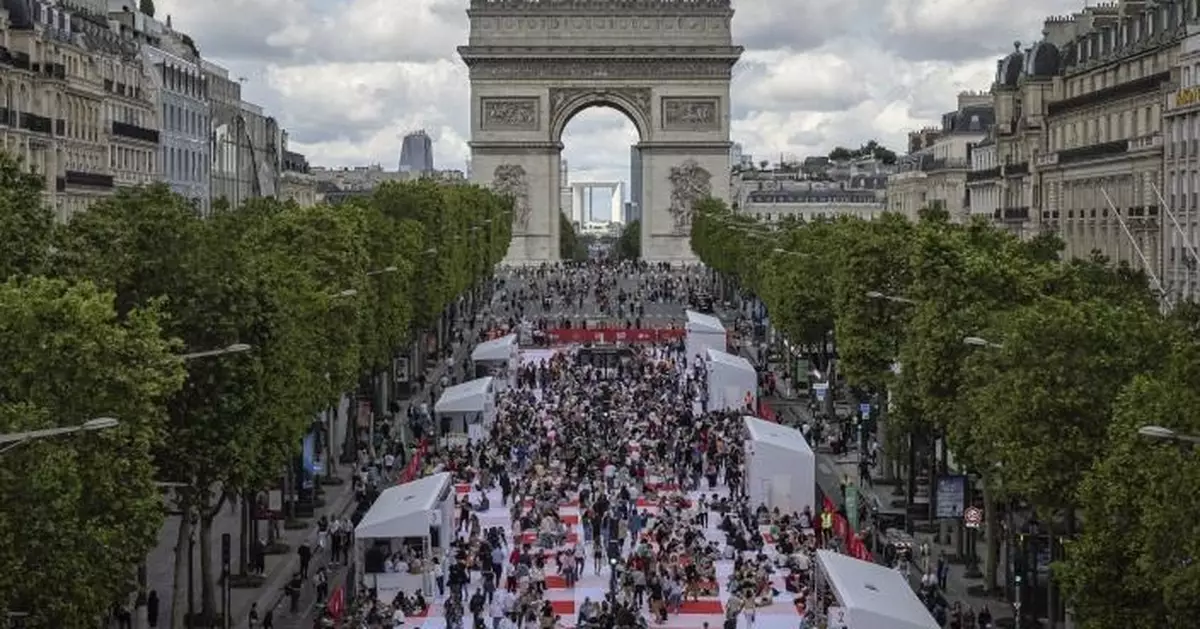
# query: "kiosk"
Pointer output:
{"type": "Point", "coordinates": [704, 332]}
{"type": "Point", "coordinates": [732, 382]}
{"type": "Point", "coordinates": [413, 523]}
{"type": "Point", "coordinates": [467, 410]}
{"type": "Point", "coordinates": [499, 358]}
{"type": "Point", "coordinates": [871, 596]}
{"type": "Point", "coordinates": [781, 468]}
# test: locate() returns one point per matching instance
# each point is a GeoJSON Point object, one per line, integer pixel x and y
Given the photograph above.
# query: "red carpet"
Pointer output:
{"type": "Point", "coordinates": [570, 519]}
{"type": "Point", "coordinates": [642, 503]}
{"type": "Point", "coordinates": [564, 608]}
{"type": "Point", "coordinates": [531, 538]}
{"type": "Point", "coordinates": [555, 582]}
{"type": "Point", "coordinates": [424, 614]}
{"type": "Point", "coordinates": [663, 486]}
{"type": "Point", "coordinates": [463, 488]}
{"type": "Point", "coordinates": [702, 606]}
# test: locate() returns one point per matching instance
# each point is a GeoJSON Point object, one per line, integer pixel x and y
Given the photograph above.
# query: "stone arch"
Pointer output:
{"type": "Point", "coordinates": [664, 64]}
{"type": "Point", "coordinates": [633, 103]}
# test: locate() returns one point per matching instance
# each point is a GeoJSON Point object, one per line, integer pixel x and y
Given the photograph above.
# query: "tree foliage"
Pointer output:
{"type": "Point", "coordinates": [82, 508]}
{"type": "Point", "coordinates": [1037, 371]}
{"type": "Point", "coordinates": [320, 294]}
{"type": "Point", "coordinates": [571, 245]}
{"type": "Point", "coordinates": [629, 244]}
{"type": "Point", "coordinates": [870, 149]}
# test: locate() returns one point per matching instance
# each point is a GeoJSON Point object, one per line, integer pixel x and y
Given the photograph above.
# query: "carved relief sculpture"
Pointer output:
{"type": "Point", "coordinates": [690, 114]}
{"type": "Point", "coordinates": [509, 114]}
{"type": "Point", "coordinates": [690, 183]}
{"type": "Point", "coordinates": [511, 180]}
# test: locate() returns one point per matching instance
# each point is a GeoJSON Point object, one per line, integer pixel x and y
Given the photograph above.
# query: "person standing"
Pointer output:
{"type": "Point", "coordinates": [152, 605]}
{"type": "Point", "coordinates": [305, 554]}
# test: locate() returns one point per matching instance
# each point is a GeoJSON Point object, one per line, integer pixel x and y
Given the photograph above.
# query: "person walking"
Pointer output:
{"type": "Point", "coordinates": [152, 605]}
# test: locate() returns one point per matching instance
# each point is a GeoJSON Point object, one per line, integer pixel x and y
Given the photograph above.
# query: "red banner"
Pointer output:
{"type": "Point", "coordinates": [853, 544]}
{"type": "Point", "coordinates": [567, 336]}
{"type": "Point", "coordinates": [413, 469]}
{"type": "Point", "coordinates": [337, 603]}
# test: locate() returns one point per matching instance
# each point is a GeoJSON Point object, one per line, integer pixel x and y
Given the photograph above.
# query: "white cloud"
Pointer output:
{"type": "Point", "coordinates": [349, 77]}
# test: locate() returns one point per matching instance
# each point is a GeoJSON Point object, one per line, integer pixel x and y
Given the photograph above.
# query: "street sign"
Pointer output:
{"type": "Point", "coordinates": [864, 409]}
{"type": "Point", "coordinates": [973, 517]}
{"type": "Point", "coordinates": [821, 388]}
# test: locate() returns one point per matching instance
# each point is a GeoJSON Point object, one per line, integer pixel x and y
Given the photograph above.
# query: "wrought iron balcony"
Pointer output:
{"type": "Point", "coordinates": [1011, 214]}
{"type": "Point", "coordinates": [88, 180]}
{"type": "Point", "coordinates": [135, 132]}
{"type": "Point", "coordinates": [36, 123]}
{"type": "Point", "coordinates": [986, 174]}
{"type": "Point", "coordinates": [1018, 169]}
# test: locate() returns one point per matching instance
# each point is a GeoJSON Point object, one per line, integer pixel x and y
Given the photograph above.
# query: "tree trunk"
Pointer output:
{"type": "Point", "coordinates": [179, 591]}
{"type": "Point", "coordinates": [992, 530]}
{"type": "Point", "coordinates": [208, 593]}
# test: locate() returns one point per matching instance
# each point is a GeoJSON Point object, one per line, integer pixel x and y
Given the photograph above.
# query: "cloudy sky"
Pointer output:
{"type": "Point", "coordinates": [347, 78]}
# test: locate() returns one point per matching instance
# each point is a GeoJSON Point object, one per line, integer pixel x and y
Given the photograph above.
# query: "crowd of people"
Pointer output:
{"type": "Point", "coordinates": [655, 479]}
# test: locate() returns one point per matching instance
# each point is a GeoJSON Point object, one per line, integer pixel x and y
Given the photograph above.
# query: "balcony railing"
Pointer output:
{"type": "Point", "coordinates": [983, 175]}
{"type": "Point", "coordinates": [1102, 150]}
{"type": "Point", "coordinates": [36, 124]}
{"type": "Point", "coordinates": [1011, 214]}
{"type": "Point", "coordinates": [135, 132]}
{"type": "Point", "coordinates": [1016, 170]}
{"type": "Point", "coordinates": [88, 180]}
{"type": "Point", "coordinates": [1150, 142]}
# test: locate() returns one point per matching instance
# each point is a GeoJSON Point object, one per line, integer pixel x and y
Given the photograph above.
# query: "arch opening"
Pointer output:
{"type": "Point", "coordinates": [598, 179]}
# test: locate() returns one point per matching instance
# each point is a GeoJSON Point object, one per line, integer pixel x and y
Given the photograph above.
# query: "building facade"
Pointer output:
{"type": "Point", "coordinates": [1098, 179]}
{"type": "Point", "coordinates": [1180, 257]}
{"type": "Point", "coordinates": [935, 174]}
{"type": "Point", "coordinates": [246, 145]}
{"type": "Point", "coordinates": [185, 153]}
{"type": "Point", "coordinates": [416, 153]}
{"type": "Point", "coordinates": [296, 182]}
{"type": "Point", "coordinates": [774, 195]}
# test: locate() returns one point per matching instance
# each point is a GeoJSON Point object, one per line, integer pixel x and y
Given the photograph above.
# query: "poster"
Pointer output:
{"type": "Point", "coordinates": [951, 496]}
{"type": "Point", "coordinates": [400, 369]}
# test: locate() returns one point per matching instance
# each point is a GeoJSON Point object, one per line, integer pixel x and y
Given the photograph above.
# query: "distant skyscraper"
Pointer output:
{"type": "Point", "coordinates": [635, 185]}
{"type": "Point", "coordinates": [416, 153]}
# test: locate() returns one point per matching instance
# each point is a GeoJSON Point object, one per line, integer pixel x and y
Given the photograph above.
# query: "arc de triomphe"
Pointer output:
{"type": "Point", "coordinates": [666, 64]}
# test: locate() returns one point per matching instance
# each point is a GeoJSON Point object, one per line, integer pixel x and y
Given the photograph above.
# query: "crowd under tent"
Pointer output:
{"type": "Point", "coordinates": [732, 382]}
{"type": "Point", "coordinates": [467, 410]}
{"type": "Point", "coordinates": [417, 518]}
{"type": "Point", "coordinates": [781, 468]}
{"type": "Point", "coordinates": [703, 332]}
{"type": "Point", "coordinates": [871, 596]}
{"type": "Point", "coordinates": [499, 358]}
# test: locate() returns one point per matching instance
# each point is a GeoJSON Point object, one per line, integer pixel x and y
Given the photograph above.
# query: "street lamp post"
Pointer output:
{"type": "Point", "coordinates": [235, 348]}
{"type": "Point", "coordinates": [1166, 434]}
{"type": "Point", "coordinates": [14, 439]}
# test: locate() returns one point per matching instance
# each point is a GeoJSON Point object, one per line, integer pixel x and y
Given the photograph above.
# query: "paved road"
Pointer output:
{"type": "Point", "coordinates": [657, 313]}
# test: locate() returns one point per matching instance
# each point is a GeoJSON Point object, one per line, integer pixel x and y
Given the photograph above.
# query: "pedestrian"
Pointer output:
{"type": "Point", "coordinates": [152, 605]}
{"type": "Point", "coordinates": [322, 583]}
{"type": "Point", "coordinates": [252, 618]}
{"type": "Point", "coordinates": [269, 619]}
{"type": "Point", "coordinates": [258, 556]}
{"type": "Point", "coordinates": [305, 554]}
{"type": "Point", "coordinates": [293, 591]}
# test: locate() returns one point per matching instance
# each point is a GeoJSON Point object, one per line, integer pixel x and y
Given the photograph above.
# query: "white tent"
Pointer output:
{"type": "Point", "coordinates": [781, 468]}
{"type": "Point", "coordinates": [732, 382]}
{"type": "Point", "coordinates": [408, 510]}
{"type": "Point", "coordinates": [499, 357]}
{"type": "Point", "coordinates": [468, 409]}
{"type": "Point", "coordinates": [420, 510]}
{"type": "Point", "coordinates": [704, 332]}
{"type": "Point", "coordinates": [872, 596]}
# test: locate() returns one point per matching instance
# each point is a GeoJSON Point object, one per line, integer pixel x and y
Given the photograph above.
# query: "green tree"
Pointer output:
{"type": "Point", "coordinates": [629, 244]}
{"type": "Point", "coordinates": [146, 7]}
{"type": "Point", "coordinates": [1044, 396]}
{"type": "Point", "coordinates": [88, 508]}
{"type": "Point", "coordinates": [571, 246]}
{"type": "Point", "coordinates": [1134, 564]}
{"type": "Point", "coordinates": [841, 154]}
{"type": "Point", "coordinates": [26, 222]}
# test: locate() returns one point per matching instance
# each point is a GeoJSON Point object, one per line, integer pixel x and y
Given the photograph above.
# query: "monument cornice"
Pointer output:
{"type": "Point", "coordinates": [603, 7]}
{"type": "Point", "coordinates": [518, 146]}
{"type": "Point", "coordinates": [668, 145]}
{"type": "Point", "coordinates": [472, 54]}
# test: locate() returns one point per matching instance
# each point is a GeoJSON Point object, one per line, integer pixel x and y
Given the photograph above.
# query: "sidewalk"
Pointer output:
{"type": "Point", "coordinates": [160, 562]}
{"type": "Point", "coordinates": [832, 469]}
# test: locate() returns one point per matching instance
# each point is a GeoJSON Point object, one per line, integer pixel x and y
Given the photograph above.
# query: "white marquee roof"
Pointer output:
{"type": "Point", "coordinates": [786, 437]}
{"type": "Point", "coordinates": [496, 349]}
{"type": "Point", "coordinates": [730, 360]}
{"type": "Point", "coordinates": [699, 322]}
{"type": "Point", "coordinates": [468, 397]}
{"type": "Point", "coordinates": [874, 596]}
{"type": "Point", "coordinates": [404, 510]}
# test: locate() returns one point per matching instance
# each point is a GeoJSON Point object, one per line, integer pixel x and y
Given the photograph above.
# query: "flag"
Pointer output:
{"type": "Point", "coordinates": [337, 603]}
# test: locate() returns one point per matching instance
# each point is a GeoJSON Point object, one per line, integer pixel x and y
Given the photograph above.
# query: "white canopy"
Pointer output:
{"type": "Point", "coordinates": [726, 359]}
{"type": "Point", "coordinates": [698, 322]}
{"type": "Point", "coordinates": [498, 349]}
{"type": "Point", "coordinates": [406, 510]}
{"type": "Point", "coordinates": [778, 435]}
{"type": "Point", "coordinates": [468, 397]}
{"type": "Point", "coordinates": [873, 596]}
